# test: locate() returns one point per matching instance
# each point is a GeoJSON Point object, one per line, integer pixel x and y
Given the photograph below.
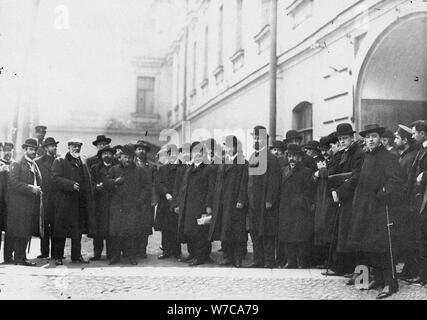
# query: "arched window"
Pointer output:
{"type": "Point", "coordinates": [303, 120]}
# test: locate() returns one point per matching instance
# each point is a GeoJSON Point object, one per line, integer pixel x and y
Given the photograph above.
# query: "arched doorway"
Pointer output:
{"type": "Point", "coordinates": [392, 84]}
{"type": "Point", "coordinates": [302, 118]}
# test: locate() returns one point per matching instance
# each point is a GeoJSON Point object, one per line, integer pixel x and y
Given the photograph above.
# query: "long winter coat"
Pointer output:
{"type": "Point", "coordinates": [296, 218]}
{"type": "Point", "coordinates": [130, 201]}
{"type": "Point", "coordinates": [228, 222]}
{"type": "Point", "coordinates": [262, 189]}
{"type": "Point", "coordinates": [45, 164]}
{"type": "Point", "coordinates": [417, 192]}
{"type": "Point", "coordinates": [166, 218]}
{"type": "Point", "coordinates": [151, 171]}
{"type": "Point", "coordinates": [70, 221]}
{"type": "Point", "coordinates": [23, 205]}
{"type": "Point", "coordinates": [368, 228]}
{"type": "Point", "coordinates": [4, 176]}
{"type": "Point", "coordinates": [99, 173]}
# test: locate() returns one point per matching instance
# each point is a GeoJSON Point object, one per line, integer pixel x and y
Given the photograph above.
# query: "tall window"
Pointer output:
{"type": "Point", "coordinates": [206, 53]}
{"type": "Point", "coordinates": [303, 120]}
{"type": "Point", "coordinates": [145, 95]}
{"type": "Point", "coordinates": [265, 12]}
{"type": "Point", "coordinates": [194, 65]}
{"type": "Point", "coordinates": [220, 35]}
{"type": "Point", "coordinates": [239, 24]}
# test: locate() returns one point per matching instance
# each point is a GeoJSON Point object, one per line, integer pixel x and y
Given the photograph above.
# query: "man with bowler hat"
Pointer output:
{"type": "Point", "coordinates": [100, 143]}
{"type": "Point", "coordinates": [40, 132]}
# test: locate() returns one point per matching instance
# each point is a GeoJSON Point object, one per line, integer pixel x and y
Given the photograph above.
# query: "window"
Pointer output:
{"type": "Point", "coordinates": [145, 95]}
{"type": "Point", "coordinates": [194, 65]}
{"type": "Point", "coordinates": [221, 35]}
{"type": "Point", "coordinates": [303, 120]}
{"type": "Point", "coordinates": [265, 12]}
{"type": "Point", "coordinates": [239, 25]}
{"type": "Point", "coordinates": [206, 54]}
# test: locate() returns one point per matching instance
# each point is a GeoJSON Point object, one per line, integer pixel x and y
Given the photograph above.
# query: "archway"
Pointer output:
{"type": "Point", "coordinates": [392, 84]}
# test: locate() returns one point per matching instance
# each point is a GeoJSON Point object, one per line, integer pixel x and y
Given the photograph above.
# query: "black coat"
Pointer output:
{"type": "Point", "coordinates": [368, 228]}
{"type": "Point", "coordinates": [91, 161]}
{"type": "Point", "coordinates": [296, 218]}
{"type": "Point", "coordinates": [45, 164]}
{"type": "Point", "coordinates": [4, 176]}
{"type": "Point", "coordinates": [351, 161]}
{"type": "Point", "coordinates": [102, 197]}
{"type": "Point", "coordinates": [166, 218]}
{"type": "Point", "coordinates": [130, 201]}
{"type": "Point", "coordinates": [263, 188]}
{"type": "Point", "coordinates": [416, 191]}
{"type": "Point", "coordinates": [23, 205]}
{"type": "Point", "coordinates": [228, 222]}
{"type": "Point", "coordinates": [74, 212]}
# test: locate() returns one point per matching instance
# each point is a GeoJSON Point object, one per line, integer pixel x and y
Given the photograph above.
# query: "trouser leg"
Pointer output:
{"type": "Point", "coordinates": [115, 247]}
{"type": "Point", "coordinates": [58, 245]}
{"type": "Point", "coordinates": [19, 247]}
{"type": "Point", "coordinates": [45, 241]}
{"type": "Point", "coordinates": [411, 262]}
{"type": "Point", "coordinates": [109, 249]}
{"type": "Point", "coordinates": [291, 254]}
{"type": "Point", "coordinates": [304, 256]}
{"type": "Point", "coordinates": [423, 250]}
{"type": "Point", "coordinates": [227, 250]}
{"type": "Point", "coordinates": [8, 248]}
{"type": "Point", "coordinates": [258, 249]}
{"type": "Point", "coordinates": [269, 244]}
{"type": "Point", "coordinates": [76, 248]}
{"type": "Point", "coordinates": [142, 246]}
{"type": "Point", "coordinates": [98, 246]}
{"type": "Point", "coordinates": [239, 250]}
{"type": "Point", "coordinates": [130, 245]}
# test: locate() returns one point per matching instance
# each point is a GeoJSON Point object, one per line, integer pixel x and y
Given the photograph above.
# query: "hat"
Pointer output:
{"type": "Point", "coordinates": [344, 129]}
{"type": "Point", "coordinates": [292, 134]}
{"type": "Point", "coordinates": [294, 149]}
{"type": "Point", "coordinates": [372, 128]}
{"type": "Point", "coordinates": [49, 141]}
{"type": "Point", "coordinates": [101, 138]}
{"type": "Point", "coordinates": [257, 129]}
{"type": "Point", "coordinates": [332, 138]}
{"type": "Point", "coordinates": [142, 144]}
{"type": "Point", "coordinates": [278, 145]}
{"type": "Point", "coordinates": [40, 128]}
{"type": "Point", "coordinates": [75, 141]}
{"type": "Point", "coordinates": [128, 150]}
{"type": "Point", "coordinates": [30, 143]}
{"type": "Point", "coordinates": [388, 134]}
{"type": "Point", "coordinates": [313, 145]}
{"type": "Point", "coordinates": [105, 149]}
{"type": "Point", "coordinates": [324, 143]}
{"type": "Point", "coordinates": [118, 147]}
{"type": "Point", "coordinates": [8, 145]}
{"type": "Point", "coordinates": [404, 131]}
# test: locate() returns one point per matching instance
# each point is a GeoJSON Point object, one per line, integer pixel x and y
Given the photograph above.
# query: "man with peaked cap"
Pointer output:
{"type": "Point", "coordinates": [408, 226]}
{"type": "Point", "coordinates": [131, 189]}
{"type": "Point", "coordinates": [40, 132]}
{"type": "Point", "coordinates": [99, 173]}
{"type": "Point", "coordinates": [418, 192]}
{"type": "Point", "coordinates": [45, 163]}
{"type": "Point", "coordinates": [24, 202]}
{"type": "Point", "coordinates": [263, 200]}
{"type": "Point", "coordinates": [388, 142]}
{"type": "Point", "coordinates": [141, 161]}
{"type": "Point", "coordinates": [100, 143]}
{"type": "Point", "coordinates": [376, 197]}
{"type": "Point", "coordinates": [74, 213]}
{"type": "Point", "coordinates": [344, 260]}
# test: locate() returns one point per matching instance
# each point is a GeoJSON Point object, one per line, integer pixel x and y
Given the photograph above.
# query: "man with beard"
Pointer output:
{"type": "Point", "coordinates": [100, 143]}
{"type": "Point", "coordinates": [296, 221]}
{"type": "Point", "coordinates": [418, 192]}
{"type": "Point", "coordinates": [99, 173]}
{"type": "Point", "coordinates": [131, 189]}
{"type": "Point", "coordinates": [374, 209]}
{"type": "Point", "coordinates": [5, 163]}
{"type": "Point", "coordinates": [24, 202]}
{"type": "Point", "coordinates": [263, 200]}
{"type": "Point", "coordinates": [387, 141]}
{"type": "Point", "coordinates": [141, 161]}
{"type": "Point", "coordinates": [74, 205]}
{"type": "Point", "coordinates": [166, 219]}
{"type": "Point", "coordinates": [117, 151]}
{"type": "Point", "coordinates": [408, 247]}
{"type": "Point", "coordinates": [40, 134]}
{"type": "Point", "coordinates": [278, 150]}
{"type": "Point", "coordinates": [228, 223]}
{"type": "Point", "coordinates": [294, 137]}
{"type": "Point", "coordinates": [344, 260]}
{"type": "Point", "coordinates": [45, 164]}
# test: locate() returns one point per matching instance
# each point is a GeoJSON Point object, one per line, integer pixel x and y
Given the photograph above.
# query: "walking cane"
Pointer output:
{"type": "Point", "coordinates": [389, 224]}
{"type": "Point", "coordinates": [334, 230]}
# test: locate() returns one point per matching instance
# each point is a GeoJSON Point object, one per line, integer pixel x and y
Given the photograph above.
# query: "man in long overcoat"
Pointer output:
{"type": "Point", "coordinates": [75, 207]}
{"type": "Point", "coordinates": [6, 161]}
{"type": "Point", "coordinates": [376, 197]}
{"type": "Point", "coordinates": [131, 189]}
{"type": "Point", "coordinates": [263, 200]}
{"type": "Point", "coordinates": [99, 173]}
{"type": "Point", "coordinates": [24, 202]}
{"type": "Point", "coordinates": [100, 143]}
{"type": "Point", "coordinates": [296, 219]}
{"type": "Point", "coordinates": [230, 203]}
{"type": "Point", "coordinates": [166, 218]}
{"type": "Point", "coordinates": [45, 164]}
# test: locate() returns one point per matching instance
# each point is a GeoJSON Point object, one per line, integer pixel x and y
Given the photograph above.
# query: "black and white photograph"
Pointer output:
{"type": "Point", "coordinates": [220, 153]}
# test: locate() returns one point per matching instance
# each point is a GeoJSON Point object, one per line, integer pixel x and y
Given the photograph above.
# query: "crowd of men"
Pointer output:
{"type": "Point", "coordinates": [351, 199]}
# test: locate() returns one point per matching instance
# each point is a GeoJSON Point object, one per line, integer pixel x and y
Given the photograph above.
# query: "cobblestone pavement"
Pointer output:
{"type": "Point", "coordinates": [154, 279]}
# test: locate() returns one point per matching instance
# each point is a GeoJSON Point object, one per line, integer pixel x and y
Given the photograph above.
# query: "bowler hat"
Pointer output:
{"type": "Point", "coordinates": [278, 145]}
{"type": "Point", "coordinates": [32, 143]}
{"type": "Point", "coordinates": [118, 147]}
{"type": "Point", "coordinates": [40, 128]}
{"type": "Point", "coordinates": [105, 149]}
{"type": "Point", "coordinates": [49, 141]}
{"type": "Point", "coordinates": [324, 143]}
{"type": "Point", "coordinates": [404, 132]}
{"type": "Point", "coordinates": [372, 128]}
{"type": "Point", "coordinates": [332, 138]}
{"type": "Point", "coordinates": [142, 144]}
{"type": "Point", "coordinates": [8, 145]}
{"type": "Point", "coordinates": [128, 150]}
{"type": "Point", "coordinates": [388, 134]}
{"type": "Point", "coordinates": [294, 149]}
{"type": "Point", "coordinates": [292, 134]}
{"type": "Point", "coordinates": [101, 138]}
{"type": "Point", "coordinates": [313, 145]}
{"type": "Point", "coordinates": [344, 129]}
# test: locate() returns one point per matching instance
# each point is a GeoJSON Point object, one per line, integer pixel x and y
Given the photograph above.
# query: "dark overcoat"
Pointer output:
{"type": "Point", "coordinates": [296, 218]}
{"type": "Point", "coordinates": [130, 201]}
{"type": "Point", "coordinates": [45, 164]}
{"type": "Point", "coordinates": [228, 222]}
{"type": "Point", "coordinates": [3, 195]}
{"type": "Point", "coordinates": [368, 228]}
{"type": "Point", "coordinates": [151, 171]}
{"type": "Point", "coordinates": [23, 205]}
{"type": "Point", "coordinates": [417, 191]}
{"type": "Point", "coordinates": [72, 217]}
{"type": "Point", "coordinates": [99, 173]}
{"type": "Point", "coordinates": [166, 218]}
{"type": "Point", "coordinates": [261, 189]}
{"type": "Point", "coordinates": [351, 161]}
{"type": "Point", "coordinates": [91, 161]}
